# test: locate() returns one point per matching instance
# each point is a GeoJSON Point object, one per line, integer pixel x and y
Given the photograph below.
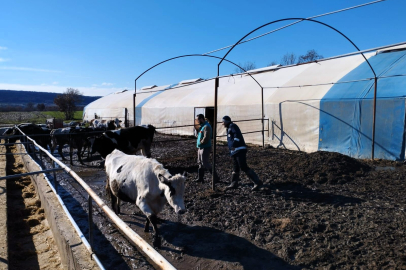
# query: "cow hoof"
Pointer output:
{"type": "Point", "coordinates": [146, 229]}
{"type": "Point", "coordinates": [157, 242]}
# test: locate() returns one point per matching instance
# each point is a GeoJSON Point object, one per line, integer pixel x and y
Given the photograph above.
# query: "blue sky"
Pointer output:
{"type": "Point", "coordinates": [100, 47]}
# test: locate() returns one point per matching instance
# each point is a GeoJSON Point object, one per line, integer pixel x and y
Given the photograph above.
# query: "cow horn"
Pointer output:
{"type": "Point", "coordinates": [184, 173]}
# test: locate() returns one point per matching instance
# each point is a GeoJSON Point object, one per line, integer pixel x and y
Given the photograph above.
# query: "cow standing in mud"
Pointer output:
{"type": "Point", "coordinates": [147, 183]}
{"type": "Point", "coordinates": [128, 140]}
{"type": "Point", "coordinates": [76, 138]}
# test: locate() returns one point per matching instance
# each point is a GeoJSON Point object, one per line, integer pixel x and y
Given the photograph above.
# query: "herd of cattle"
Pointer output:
{"type": "Point", "coordinates": [130, 178]}
{"type": "Point", "coordinates": [102, 137]}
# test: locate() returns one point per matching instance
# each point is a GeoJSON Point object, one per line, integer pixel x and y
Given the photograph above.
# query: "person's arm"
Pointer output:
{"type": "Point", "coordinates": [236, 135]}
{"type": "Point", "coordinates": [206, 135]}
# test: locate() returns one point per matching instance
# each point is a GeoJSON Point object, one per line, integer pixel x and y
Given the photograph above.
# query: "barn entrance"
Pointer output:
{"type": "Point", "coordinates": [208, 112]}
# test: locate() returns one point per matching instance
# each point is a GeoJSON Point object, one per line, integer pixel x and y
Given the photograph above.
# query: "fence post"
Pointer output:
{"type": "Point", "coordinates": [262, 117]}
{"type": "Point", "coordinates": [90, 205]}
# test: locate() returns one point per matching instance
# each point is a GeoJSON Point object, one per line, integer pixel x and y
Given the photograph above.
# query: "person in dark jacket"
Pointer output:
{"type": "Point", "coordinates": [238, 151]}
{"type": "Point", "coordinates": [204, 146]}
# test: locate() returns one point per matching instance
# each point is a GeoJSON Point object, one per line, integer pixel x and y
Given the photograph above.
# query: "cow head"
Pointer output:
{"type": "Point", "coordinates": [175, 191]}
{"type": "Point", "coordinates": [102, 145]}
{"type": "Point", "coordinates": [118, 123]}
{"type": "Point", "coordinates": [10, 132]}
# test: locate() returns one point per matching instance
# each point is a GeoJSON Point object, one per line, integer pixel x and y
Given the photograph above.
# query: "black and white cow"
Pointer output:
{"type": "Point", "coordinates": [128, 140]}
{"type": "Point", "coordinates": [147, 183]}
{"type": "Point", "coordinates": [107, 124]}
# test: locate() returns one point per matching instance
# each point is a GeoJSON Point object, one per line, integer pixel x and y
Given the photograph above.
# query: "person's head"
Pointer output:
{"type": "Point", "coordinates": [226, 121]}
{"type": "Point", "coordinates": [200, 118]}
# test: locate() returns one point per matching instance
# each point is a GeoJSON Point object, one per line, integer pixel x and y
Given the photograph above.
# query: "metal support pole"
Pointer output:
{"type": "Point", "coordinates": [134, 100]}
{"type": "Point", "coordinates": [214, 131]}
{"type": "Point", "coordinates": [262, 116]}
{"type": "Point", "coordinates": [90, 204]}
{"type": "Point", "coordinates": [134, 108]}
{"type": "Point", "coordinates": [374, 119]}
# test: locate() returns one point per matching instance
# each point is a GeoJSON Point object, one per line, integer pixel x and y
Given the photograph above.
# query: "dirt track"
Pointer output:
{"type": "Point", "coordinates": [321, 210]}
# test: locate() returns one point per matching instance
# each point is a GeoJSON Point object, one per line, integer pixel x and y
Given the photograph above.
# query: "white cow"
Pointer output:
{"type": "Point", "coordinates": [147, 183]}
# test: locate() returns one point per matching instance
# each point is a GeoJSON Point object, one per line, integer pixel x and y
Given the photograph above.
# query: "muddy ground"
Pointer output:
{"type": "Point", "coordinates": [30, 240]}
{"type": "Point", "coordinates": [316, 211]}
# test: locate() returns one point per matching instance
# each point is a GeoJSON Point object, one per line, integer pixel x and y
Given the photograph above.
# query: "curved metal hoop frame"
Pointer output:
{"type": "Point", "coordinates": [182, 56]}
{"type": "Point", "coordinates": [303, 19]}
{"type": "Point", "coordinates": [315, 21]}
{"type": "Point", "coordinates": [189, 55]}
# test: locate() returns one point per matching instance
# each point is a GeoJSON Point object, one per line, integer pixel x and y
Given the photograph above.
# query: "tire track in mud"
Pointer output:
{"type": "Point", "coordinates": [31, 243]}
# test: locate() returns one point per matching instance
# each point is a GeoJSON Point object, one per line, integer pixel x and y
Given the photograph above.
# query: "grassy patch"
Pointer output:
{"type": "Point", "coordinates": [34, 117]}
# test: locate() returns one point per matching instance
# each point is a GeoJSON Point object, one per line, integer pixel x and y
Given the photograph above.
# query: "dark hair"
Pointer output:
{"type": "Point", "coordinates": [200, 116]}
{"type": "Point", "coordinates": [226, 119]}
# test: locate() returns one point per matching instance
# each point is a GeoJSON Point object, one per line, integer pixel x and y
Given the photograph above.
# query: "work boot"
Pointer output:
{"type": "Point", "coordinates": [254, 178]}
{"type": "Point", "coordinates": [216, 177]}
{"type": "Point", "coordinates": [234, 181]}
{"type": "Point", "coordinates": [200, 175]}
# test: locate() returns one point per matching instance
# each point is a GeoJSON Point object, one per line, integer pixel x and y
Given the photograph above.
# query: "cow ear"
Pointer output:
{"type": "Point", "coordinates": [163, 179]}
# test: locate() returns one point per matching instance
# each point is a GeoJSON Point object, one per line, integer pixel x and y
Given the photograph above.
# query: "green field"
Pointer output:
{"type": "Point", "coordinates": [77, 116]}
{"type": "Point", "coordinates": [35, 117]}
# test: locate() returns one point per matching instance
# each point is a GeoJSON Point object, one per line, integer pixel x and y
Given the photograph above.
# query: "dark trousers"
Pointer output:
{"type": "Point", "coordinates": [240, 161]}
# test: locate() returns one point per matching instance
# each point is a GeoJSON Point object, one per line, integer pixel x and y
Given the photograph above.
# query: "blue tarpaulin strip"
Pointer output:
{"type": "Point", "coordinates": [346, 111]}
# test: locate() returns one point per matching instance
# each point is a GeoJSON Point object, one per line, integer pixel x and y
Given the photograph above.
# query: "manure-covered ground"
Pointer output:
{"type": "Point", "coordinates": [320, 210]}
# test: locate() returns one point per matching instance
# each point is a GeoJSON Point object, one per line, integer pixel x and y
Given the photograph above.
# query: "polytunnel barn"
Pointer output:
{"type": "Point", "coordinates": [324, 105]}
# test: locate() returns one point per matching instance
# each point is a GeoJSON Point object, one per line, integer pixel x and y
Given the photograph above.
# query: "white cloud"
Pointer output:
{"type": "Point", "coordinates": [3, 48]}
{"type": "Point", "coordinates": [3, 60]}
{"type": "Point", "coordinates": [54, 83]}
{"type": "Point", "coordinates": [107, 84]}
{"type": "Point", "coordinates": [29, 69]}
{"type": "Point", "coordinates": [87, 91]}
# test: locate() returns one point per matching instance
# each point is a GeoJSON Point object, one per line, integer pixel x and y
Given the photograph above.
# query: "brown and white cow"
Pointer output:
{"type": "Point", "coordinates": [147, 183]}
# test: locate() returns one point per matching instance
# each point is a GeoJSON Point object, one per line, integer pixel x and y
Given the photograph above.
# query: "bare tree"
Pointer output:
{"type": "Point", "coordinates": [310, 56]}
{"type": "Point", "coordinates": [40, 107]}
{"type": "Point", "coordinates": [67, 101]}
{"type": "Point", "coordinates": [247, 66]}
{"type": "Point", "coordinates": [29, 107]}
{"type": "Point", "coordinates": [273, 63]}
{"type": "Point", "coordinates": [288, 59]}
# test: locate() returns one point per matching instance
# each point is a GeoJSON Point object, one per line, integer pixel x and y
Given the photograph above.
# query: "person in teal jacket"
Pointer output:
{"type": "Point", "coordinates": [204, 147]}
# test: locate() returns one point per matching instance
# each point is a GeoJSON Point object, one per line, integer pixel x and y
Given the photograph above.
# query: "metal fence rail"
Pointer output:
{"type": "Point", "coordinates": [157, 258]}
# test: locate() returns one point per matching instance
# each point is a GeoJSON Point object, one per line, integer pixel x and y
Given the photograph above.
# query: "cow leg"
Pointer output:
{"type": "Point", "coordinates": [118, 206]}
{"type": "Point", "coordinates": [146, 228]}
{"type": "Point", "coordinates": [156, 239]}
{"type": "Point", "coordinates": [113, 203]}
{"type": "Point", "coordinates": [79, 156]}
{"type": "Point", "coordinates": [60, 151]}
{"type": "Point", "coordinates": [71, 154]}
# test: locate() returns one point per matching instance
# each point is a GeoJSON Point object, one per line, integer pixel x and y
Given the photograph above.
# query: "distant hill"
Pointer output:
{"type": "Point", "coordinates": [15, 97]}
